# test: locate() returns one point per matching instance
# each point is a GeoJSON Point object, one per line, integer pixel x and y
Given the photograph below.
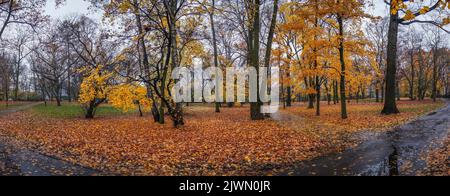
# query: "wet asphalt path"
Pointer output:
{"type": "Point", "coordinates": [15, 160]}
{"type": "Point", "coordinates": [395, 153]}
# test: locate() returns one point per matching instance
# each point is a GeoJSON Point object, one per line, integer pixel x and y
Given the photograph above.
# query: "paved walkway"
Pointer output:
{"type": "Point", "coordinates": [16, 160]}
{"type": "Point", "coordinates": [398, 152]}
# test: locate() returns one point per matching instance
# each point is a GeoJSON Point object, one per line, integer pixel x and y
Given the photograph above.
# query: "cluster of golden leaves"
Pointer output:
{"type": "Point", "coordinates": [127, 97]}
{"type": "Point", "coordinates": [94, 85]}
{"type": "Point", "coordinates": [398, 5]}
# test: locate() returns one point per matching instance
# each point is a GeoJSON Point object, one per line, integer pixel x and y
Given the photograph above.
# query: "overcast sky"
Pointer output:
{"type": "Point", "coordinates": [76, 7]}
{"type": "Point", "coordinates": [72, 7]}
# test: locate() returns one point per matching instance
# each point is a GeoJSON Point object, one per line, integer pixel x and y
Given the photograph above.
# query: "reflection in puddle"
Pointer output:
{"type": "Point", "coordinates": [393, 163]}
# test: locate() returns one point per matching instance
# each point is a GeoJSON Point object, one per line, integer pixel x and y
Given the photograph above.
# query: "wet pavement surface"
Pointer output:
{"type": "Point", "coordinates": [16, 160]}
{"type": "Point", "coordinates": [395, 153]}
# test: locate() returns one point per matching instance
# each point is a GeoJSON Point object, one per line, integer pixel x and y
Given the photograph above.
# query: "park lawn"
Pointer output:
{"type": "Point", "coordinates": [228, 143]}
{"type": "Point", "coordinates": [11, 104]}
{"type": "Point", "coordinates": [73, 110]}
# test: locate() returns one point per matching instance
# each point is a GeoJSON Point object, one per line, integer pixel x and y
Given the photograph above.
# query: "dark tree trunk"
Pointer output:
{"type": "Point", "coordinates": [327, 88]}
{"type": "Point", "coordinates": [335, 92]}
{"type": "Point", "coordinates": [89, 113]}
{"type": "Point", "coordinates": [413, 77]}
{"type": "Point", "coordinates": [390, 105]}
{"type": "Point", "coordinates": [58, 101]}
{"type": "Point", "coordinates": [311, 101]}
{"type": "Point", "coordinates": [141, 114]}
{"type": "Point", "coordinates": [145, 61]}
{"type": "Point", "coordinates": [255, 108]}
{"type": "Point", "coordinates": [318, 96]}
{"type": "Point", "coordinates": [6, 92]}
{"type": "Point", "coordinates": [435, 76]}
{"type": "Point", "coordinates": [90, 110]}
{"type": "Point", "coordinates": [216, 53]}
{"type": "Point", "coordinates": [344, 114]}
{"type": "Point", "coordinates": [16, 84]}
{"type": "Point", "coordinates": [377, 91]}
{"type": "Point", "coordinates": [69, 87]}
{"type": "Point", "coordinates": [289, 97]}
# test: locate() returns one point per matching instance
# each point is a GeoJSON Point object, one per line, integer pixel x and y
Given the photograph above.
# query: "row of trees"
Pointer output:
{"type": "Point", "coordinates": [325, 50]}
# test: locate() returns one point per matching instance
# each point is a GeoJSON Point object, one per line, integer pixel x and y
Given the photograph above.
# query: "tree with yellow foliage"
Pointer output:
{"type": "Point", "coordinates": [93, 89]}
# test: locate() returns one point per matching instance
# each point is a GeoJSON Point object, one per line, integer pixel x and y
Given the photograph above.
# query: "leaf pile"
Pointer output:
{"type": "Point", "coordinates": [438, 160]}
{"type": "Point", "coordinates": [228, 143]}
{"type": "Point", "coordinates": [365, 116]}
{"type": "Point", "coordinates": [210, 144]}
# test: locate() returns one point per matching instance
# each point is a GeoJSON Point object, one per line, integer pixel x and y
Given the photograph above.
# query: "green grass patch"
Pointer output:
{"type": "Point", "coordinates": [72, 110]}
{"type": "Point", "coordinates": [11, 105]}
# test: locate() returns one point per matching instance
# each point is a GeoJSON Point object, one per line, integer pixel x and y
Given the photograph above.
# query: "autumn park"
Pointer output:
{"type": "Point", "coordinates": [224, 88]}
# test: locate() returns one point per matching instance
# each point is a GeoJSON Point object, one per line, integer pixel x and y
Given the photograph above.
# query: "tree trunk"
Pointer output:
{"type": "Point", "coordinates": [390, 105]}
{"type": "Point", "coordinates": [317, 96]}
{"type": "Point", "coordinates": [58, 101]}
{"type": "Point", "coordinates": [16, 83]}
{"type": "Point", "coordinates": [177, 114]}
{"type": "Point", "coordinates": [311, 101]}
{"type": "Point", "coordinates": [145, 61]}
{"type": "Point", "coordinates": [69, 86]}
{"type": "Point", "coordinates": [7, 91]}
{"type": "Point", "coordinates": [413, 77]}
{"type": "Point", "coordinates": [344, 114]}
{"type": "Point", "coordinates": [255, 108]}
{"type": "Point", "coordinates": [289, 97]}
{"type": "Point", "coordinates": [435, 76]}
{"type": "Point", "coordinates": [327, 88]}
{"type": "Point", "coordinates": [420, 85]}
{"type": "Point", "coordinates": [216, 53]}
{"type": "Point", "coordinates": [377, 91]}
{"type": "Point", "coordinates": [141, 114]}
{"type": "Point", "coordinates": [90, 111]}
{"type": "Point", "coordinates": [335, 92]}
{"type": "Point", "coordinates": [69, 74]}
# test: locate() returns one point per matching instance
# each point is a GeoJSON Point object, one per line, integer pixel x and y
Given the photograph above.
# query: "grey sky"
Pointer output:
{"type": "Point", "coordinates": [70, 7]}
{"type": "Point", "coordinates": [81, 7]}
{"type": "Point", "coordinates": [73, 7]}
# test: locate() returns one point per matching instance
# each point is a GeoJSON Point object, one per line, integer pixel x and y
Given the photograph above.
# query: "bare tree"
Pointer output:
{"type": "Point", "coordinates": [377, 32]}
{"type": "Point", "coordinates": [20, 12]}
{"type": "Point", "coordinates": [6, 74]}
{"type": "Point", "coordinates": [18, 45]}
